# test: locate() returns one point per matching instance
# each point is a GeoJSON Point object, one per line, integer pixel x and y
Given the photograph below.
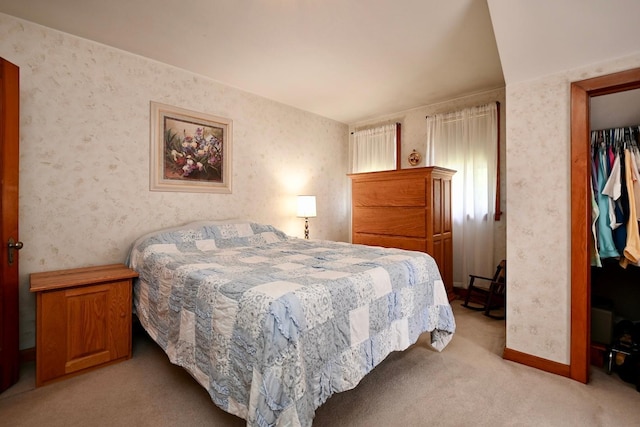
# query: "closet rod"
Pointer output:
{"type": "Point", "coordinates": [637, 127]}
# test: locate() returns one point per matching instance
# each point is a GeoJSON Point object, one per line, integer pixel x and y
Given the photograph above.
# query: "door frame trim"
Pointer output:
{"type": "Point", "coordinates": [581, 93]}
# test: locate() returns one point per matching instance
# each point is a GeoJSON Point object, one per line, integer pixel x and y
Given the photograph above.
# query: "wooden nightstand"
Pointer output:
{"type": "Point", "coordinates": [83, 319]}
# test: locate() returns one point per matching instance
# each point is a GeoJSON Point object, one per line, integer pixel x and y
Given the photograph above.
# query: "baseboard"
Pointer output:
{"type": "Point", "coordinates": [460, 293]}
{"type": "Point", "coordinates": [28, 355]}
{"type": "Point", "coordinates": [537, 362]}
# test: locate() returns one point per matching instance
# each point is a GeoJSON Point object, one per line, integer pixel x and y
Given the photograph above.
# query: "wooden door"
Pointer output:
{"type": "Point", "coordinates": [9, 139]}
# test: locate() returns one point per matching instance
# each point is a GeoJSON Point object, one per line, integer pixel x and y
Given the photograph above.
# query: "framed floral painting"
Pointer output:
{"type": "Point", "coordinates": [190, 151]}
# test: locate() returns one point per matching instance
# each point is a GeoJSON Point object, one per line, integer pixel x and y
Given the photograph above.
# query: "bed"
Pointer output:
{"type": "Point", "coordinates": [272, 325]}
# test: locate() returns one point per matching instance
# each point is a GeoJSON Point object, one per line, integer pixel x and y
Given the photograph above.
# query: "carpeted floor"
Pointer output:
{"type": "Point", "coordinates": [467, 384]}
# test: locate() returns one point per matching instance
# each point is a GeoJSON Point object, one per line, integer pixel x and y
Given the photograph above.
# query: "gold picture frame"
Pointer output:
{"type": "Point", "coordinates": [190, 151]}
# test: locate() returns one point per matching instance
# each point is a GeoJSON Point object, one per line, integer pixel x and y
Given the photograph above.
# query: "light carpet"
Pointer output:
{"type": "Point", "coordinates": [467, 384]}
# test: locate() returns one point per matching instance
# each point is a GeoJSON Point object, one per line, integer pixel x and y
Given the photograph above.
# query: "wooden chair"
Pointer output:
{"type": "Point", "coordinates": [488, 293]}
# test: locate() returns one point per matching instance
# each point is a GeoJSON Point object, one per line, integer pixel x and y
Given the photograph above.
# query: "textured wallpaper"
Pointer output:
{"type": "Point", "coordinates": [84, 169]}
{"type": "Point", "coordinates": [539, 204]}
{"type": "Point", "coordinates": [84, 160]}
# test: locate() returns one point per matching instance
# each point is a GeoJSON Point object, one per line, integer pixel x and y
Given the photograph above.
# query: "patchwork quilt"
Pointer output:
{"type": "Point", "coordinates": [271, 325]}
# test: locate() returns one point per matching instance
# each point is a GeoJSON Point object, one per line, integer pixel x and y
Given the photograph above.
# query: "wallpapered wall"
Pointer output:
{"type": "Point", "coordinates": [84, 160]}
{"type": "Point", "coordinates": [84, 169]}
{"type": "Point", "coordinates": [539, 206]}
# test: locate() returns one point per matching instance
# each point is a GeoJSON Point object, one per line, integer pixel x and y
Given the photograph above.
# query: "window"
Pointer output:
{"type": "Point", "coordinates": [467, 141]}
{"type": "Point", "coordinates": [375, 149]}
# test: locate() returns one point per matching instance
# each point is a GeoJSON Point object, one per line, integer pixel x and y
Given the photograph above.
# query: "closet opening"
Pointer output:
{"type": "Point", "coordinates": [615, 294]}
{"type": "Point", "coordinates": [591, 288]}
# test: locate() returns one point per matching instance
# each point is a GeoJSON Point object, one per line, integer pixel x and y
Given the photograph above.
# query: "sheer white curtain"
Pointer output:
{"type": "Point", "coordinates": [466, 141]}
{"type": "Point", "coordinates": [374, 149]}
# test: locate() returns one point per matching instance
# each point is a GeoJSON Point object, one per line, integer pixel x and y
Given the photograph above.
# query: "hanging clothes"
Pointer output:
{"type": "Point", "coordinates": [635, 162]}
{"type": "Point", "coordinates": [606, 246]}
{"type": "Point", "coordinates": [613, 189]}
{"type": "Point", "coordinates": [621, 206]}
{"type": "Point", "coordinates": [593, 247]}
{"type": "Point", "coordinates": [615, 197]}
{"type": "Point", "coordinates": [632, 249]}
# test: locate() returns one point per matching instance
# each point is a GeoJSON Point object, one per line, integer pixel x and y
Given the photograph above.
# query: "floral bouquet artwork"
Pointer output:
{"type": "Point", "coordinates": [192, 152]}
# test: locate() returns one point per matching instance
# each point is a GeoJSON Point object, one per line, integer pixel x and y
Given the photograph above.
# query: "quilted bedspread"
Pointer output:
{"type": "Point", "coordinates": [272, 325]}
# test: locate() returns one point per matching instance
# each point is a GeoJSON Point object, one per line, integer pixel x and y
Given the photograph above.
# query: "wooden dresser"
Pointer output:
{"type": "Point", "coordinates": [406, 209]}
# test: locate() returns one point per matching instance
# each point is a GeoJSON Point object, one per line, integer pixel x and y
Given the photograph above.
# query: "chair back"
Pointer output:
{"type": "Point", "coordinates": [501, 272]}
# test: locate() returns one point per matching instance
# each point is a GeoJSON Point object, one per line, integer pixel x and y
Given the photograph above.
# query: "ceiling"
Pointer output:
{"type": "Point", "coordinates": [615, 110]}
{"type": "Point", "coordinates": [347, 60]}
{"type": "Point", "coordinates": [353, 60]}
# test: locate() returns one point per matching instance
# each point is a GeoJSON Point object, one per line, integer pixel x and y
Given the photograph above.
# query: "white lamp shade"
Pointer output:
{"type": "Point", "coordinates": [306, 206]}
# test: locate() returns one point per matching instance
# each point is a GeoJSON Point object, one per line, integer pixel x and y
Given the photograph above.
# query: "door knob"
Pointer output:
{"type": "Point", "coordinates": [13, 246]}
